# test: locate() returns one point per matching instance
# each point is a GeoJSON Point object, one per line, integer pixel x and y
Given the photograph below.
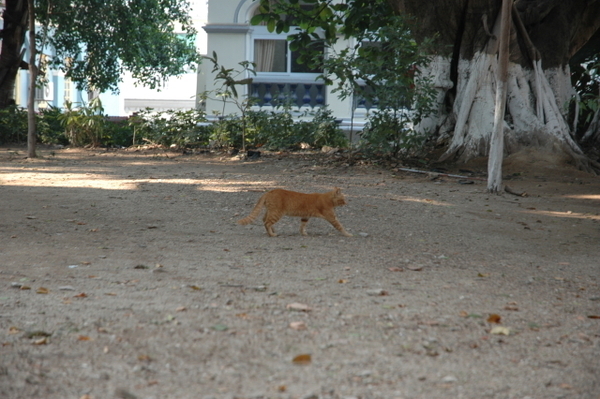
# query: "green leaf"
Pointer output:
{"type": "Point", "coordinates": [220, 327]}
{"type": "Point", "coordinates": [257, 19]}
{"type": "Point", "coordinates": [243, 81]}
{"type": "Point", "coordinates": [326, 13]}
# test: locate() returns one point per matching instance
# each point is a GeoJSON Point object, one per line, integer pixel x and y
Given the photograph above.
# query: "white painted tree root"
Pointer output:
{"type": "Point", "coordinates": [534, 116]}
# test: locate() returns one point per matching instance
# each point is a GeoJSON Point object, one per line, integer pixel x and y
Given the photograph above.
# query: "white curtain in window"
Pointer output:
{"type": "Point", "coordinates": [264, 55]}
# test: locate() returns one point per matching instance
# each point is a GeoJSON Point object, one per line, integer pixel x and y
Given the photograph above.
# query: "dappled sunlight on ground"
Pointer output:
{"type": "Point", "coordinates": [594, 197]}
{"type": "Point", "coordinates": [234, 187]}
{"type": "Point", "coordinates": [101, 181]}
{"type": "Point", "coordinates": [565, 214]}
{"type": "Point", "coordinates": [87, 180]}
{"type": "Point", "coordinates": [420, 200]}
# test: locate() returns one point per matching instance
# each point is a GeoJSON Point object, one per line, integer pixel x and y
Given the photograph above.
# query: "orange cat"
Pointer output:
{"type": "Point", "coordinates": [283, 202]}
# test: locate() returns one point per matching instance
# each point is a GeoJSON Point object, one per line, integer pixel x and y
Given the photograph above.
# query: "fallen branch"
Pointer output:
{"type": "Point", "coordinates": [513, 192]}
{"type": "Point", "coordinates": [436, 174]}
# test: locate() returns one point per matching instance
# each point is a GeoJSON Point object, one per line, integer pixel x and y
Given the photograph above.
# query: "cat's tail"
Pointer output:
{"type": "Point", "coordinates": [255, 212]}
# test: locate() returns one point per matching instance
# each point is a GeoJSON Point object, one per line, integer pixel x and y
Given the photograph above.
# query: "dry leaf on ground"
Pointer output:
{"type": "Point", "coordinates": [499, 330]}
{"type": "Point", "coordinates": [298, 325]}
{"type": "Point", "coordinates": [299, 307]}
{"type": "Point", "coordinates": [302, 359]}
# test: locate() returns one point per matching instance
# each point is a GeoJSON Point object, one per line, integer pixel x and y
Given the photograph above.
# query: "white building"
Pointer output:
{"type": "Point", "coordinates": [278, 76]}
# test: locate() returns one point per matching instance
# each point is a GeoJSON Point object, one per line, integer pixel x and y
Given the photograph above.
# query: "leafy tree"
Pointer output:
{"type": "Point", "coordinates": [94, 41]}
{"type": "Point", "coordinates": [16, 24]}
{"type": "Point", "coordinates": [545, 36]}
{"type": "Point", "coordinates": [380, 69]}
{"type": "Point", "coordinates": [231, 78]}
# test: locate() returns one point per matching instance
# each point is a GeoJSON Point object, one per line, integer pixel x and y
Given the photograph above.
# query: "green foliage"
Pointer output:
{"type": "Point", "coordinates": [326, 131]}
{"type": "Point", "coordinates": [117, 133]}
{"type": "Point", "coordinates": [586, 80]}
{"type": "Point", "coordinates": [96, 41]}
{"type": "Point", "coordinates": [13, 124]}
{"type": "Point", "coordinates": [380, 69]}
{"type": "Point", "coordinates": [388, 133]}
{"type": "Point", "coordinates": [322, 20]}
{"type": "Point", "coordinates": [227, 132]}
{"type": "Point", "coordinates": [277, 130]}
{"type": "Point", "coordinates": [271, 130]}
{"type": "Point", "coordinates": [50, 128]}
{"type": "Point", "coordinates": [84, 125]}
{"type": "Point", "coordinates": [170, 127]}
{"type": "Point", "coordinates": [231, 78]}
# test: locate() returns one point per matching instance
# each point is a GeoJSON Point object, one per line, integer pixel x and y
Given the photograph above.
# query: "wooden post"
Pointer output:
{"type": "Point", "coordinates": [31, 134]}
{"type": "Point", "coordinates": [496, 153]}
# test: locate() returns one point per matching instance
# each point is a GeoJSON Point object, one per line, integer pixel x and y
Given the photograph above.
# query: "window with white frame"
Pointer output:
{"type": "Point", "coordinates": [68, 93]}
{"type": "Point", "coordinates": [279, 75]}
{"type": "Point", "coordinates": [273, 55]}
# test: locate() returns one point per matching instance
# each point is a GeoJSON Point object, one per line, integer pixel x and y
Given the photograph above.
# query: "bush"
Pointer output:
{"type": "Point", "coordinates": [13, 125]}
{"type": "Point", "coordinates": [327, 131]}
{"type": "Point", "coordinates": [86, 125]}
{"type": "Point", "coordinates": [390, 133]}
{"type": "Point", "coordinates": [49, 127]}
{"type": "Point", "coordinates": [117, 133]}
{"type": "Point", "coordinates": [277, 130]}
{"type": "Point", "coordinates": [227, 132]}
{"type": "Point", "coordinates": [83, 125]}
{"type": "Point", "coordinates": [171, 127]}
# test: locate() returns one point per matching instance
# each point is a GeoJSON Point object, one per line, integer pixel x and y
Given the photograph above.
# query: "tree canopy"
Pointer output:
{"type": "Point", "coordinates": [95, 41]}
{"type": "Point", "coordinates": [545, 36]}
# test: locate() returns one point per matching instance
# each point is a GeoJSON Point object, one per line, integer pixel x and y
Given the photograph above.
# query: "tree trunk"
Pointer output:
{"type": "Point", "coordinates": [497, 141]}
{"type": "Point", "coordinates": [15, 17]}
{"type": "Point", "coordinates": [31, 133]}
{"type": "Point", "coordinates": [547, 34]}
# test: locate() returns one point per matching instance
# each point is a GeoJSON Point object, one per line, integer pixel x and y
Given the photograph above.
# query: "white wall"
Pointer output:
{"type": "Point", "coordinates": [177, 93]}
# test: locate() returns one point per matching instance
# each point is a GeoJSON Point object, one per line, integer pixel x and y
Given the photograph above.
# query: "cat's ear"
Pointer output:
{"type": "Point", "coordinates": [337, 190]}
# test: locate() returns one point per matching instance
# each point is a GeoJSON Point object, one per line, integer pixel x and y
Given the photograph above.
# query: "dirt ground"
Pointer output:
{"type": "Point", "coordinates": [124, 275]}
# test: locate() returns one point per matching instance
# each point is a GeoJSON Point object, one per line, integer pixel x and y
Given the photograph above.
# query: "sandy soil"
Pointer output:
{"type": "Point", "coordinates": [124, 275]}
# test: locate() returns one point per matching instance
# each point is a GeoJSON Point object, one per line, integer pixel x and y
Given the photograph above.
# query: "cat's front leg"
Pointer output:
{"type": "Point", "coordinates": [335, 223]}
{"type": "Point", "coordinates": [303, 226]}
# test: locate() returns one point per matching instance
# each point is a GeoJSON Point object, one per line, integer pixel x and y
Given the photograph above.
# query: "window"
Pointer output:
{"type": "Point", "coordinates": [273, 55]}
{"type": "Point", "coordinates": [68, 94]}
{"type": "Point", "coordinates": [270, 55]}
{"type": "Point", "coordinates": [280, 78]}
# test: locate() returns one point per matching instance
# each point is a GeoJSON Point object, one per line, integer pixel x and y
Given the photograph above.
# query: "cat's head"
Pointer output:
{"type": "Point", "coordinates": [338, 198]}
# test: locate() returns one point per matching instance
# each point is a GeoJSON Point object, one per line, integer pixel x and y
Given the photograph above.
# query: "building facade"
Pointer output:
{"type": "Point", "coordinates": [279, 77]}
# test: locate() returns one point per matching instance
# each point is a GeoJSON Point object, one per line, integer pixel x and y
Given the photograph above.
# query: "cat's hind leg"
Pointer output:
{"type": "Point", "coordinates": [303, 226]}
{"type": "Point", "coordinates": [270, 219]}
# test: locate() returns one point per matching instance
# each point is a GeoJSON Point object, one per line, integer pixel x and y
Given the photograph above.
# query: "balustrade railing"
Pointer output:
{"type": "Point", "coordinates": [295, 94]}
